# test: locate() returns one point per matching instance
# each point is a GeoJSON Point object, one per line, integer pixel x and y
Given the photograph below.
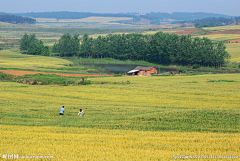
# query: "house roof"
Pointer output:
{"type": "Point", "coordinates": [143, 68]}
{"type": "Point", "coordinates": [132, 71]}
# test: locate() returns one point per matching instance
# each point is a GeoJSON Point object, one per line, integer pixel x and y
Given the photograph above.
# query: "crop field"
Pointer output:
{"type": "Point", "coordinates": [221, 37]}
{"type": "Point", "coordinates": [146, 118]}
{"type": "Point", "coordinates": [14, 60]}
{"type": "Point", "coordinates": [223, 28]}
{"type": "Point", "coordinates": [234, 50]}
{"type": "Point", "coordinates": [69, 143]}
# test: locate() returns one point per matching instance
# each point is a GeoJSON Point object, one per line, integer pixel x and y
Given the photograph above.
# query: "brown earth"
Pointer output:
{"type": "Point", "coordinates": [15, 72]}
{"type": "Point", "coordinates": [191, 31]}
{"type": "Point", "coordinates": [164, 26]}
{"type": "Point", "coordinates": [233, 41]}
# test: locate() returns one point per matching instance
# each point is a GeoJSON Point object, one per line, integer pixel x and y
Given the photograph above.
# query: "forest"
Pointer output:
{"type": "Point", "coordinates": [16, 19]}
{"type": "Point", "coordinates": [159, 48]}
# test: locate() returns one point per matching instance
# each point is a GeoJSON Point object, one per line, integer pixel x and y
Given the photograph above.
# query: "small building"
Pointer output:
{"type": "Point", "coordinates": [142, 71]}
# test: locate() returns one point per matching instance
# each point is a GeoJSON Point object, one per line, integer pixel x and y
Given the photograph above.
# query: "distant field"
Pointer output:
{"type": "Point", "coordinates": [89, 19]}
{"type": "Point", "coordinates": [89, 22]}
{"type": "Point", "coordinates": [221, 37]}
{"type": "Point", "coordinates": [223, 28]}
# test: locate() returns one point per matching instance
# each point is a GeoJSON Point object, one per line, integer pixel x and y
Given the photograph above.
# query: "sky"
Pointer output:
{"type": "Point", "coordinates": [226, 7]}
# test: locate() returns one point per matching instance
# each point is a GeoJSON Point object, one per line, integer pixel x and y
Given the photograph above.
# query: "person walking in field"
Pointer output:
{"type": "Point", "coordinates": [61, 111]}
{"type": "Point", "coordinates": [80, 113]}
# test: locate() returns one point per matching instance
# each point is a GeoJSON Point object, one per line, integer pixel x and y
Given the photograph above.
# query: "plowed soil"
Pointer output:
{"type": "Point", "coordinates": [15, 72]}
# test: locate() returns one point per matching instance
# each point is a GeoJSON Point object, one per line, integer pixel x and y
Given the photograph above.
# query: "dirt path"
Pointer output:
{"type": "Point", "coordinates": [15, 72]}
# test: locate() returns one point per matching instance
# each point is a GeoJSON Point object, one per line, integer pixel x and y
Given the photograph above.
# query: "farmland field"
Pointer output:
{"type": "Point", "coordinates": [221, 37]}
{"type": "Point", "coordinates": [147, 118]}
{"type": "Point", "coordinates": [14, 60]}
{"type": "Point", "coordinates": [223, 28]}
{"type": "Point", "coordinates": [234, 50]}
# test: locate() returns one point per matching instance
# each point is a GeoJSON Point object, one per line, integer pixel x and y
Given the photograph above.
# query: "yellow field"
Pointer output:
{"type": "Point", "coordinates": [223, 28]}
{"type": "Point", "coordinates": [221, 37]}
{"type": "Point", "coordinates": [9, 59]}
{"type": "Point", "coordinates": [64, 143]}
{"type": "Point", "coordinates": [48, 38]}
{"type": "Point", "coordinates": [234, 50]}
{"type": "Point", "coordinates": [154, 32]}
{"type": "Point", "coordinates": [124, 118]}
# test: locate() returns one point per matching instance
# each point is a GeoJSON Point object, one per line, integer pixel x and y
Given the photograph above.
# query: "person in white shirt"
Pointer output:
{"type": "Point", "coordinates": [80, 113]}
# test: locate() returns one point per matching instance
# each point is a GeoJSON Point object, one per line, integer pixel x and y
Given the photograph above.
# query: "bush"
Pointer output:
{"type": "Point", "coordinates": [195, 66]}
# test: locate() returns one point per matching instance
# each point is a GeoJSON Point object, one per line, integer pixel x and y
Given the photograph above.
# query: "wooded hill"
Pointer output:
{"type": "Point", "coordinates": [211, 22]}
{"type": "Point", "coordinates": [16, 19]}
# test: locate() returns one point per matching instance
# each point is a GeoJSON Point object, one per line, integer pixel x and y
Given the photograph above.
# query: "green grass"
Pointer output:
{"type": "Point", "coordinates": [222, 80]}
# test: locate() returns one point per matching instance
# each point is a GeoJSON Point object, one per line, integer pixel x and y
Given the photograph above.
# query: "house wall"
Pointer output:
{"type": "Point", "coordinates": [148, 72]}
{"type": "Point", "coordinates": [153, 70]}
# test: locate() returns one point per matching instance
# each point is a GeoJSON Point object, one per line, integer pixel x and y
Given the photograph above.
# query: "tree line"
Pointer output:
{"type": "Point", "coordinates": [237, 19]}
{"type": "Point", "coordinates": [16, 19]}
{"type": "Point", "coordinates": [211, 22]}
{"type": "Point", "coordinates": [33, 46]}
{"type": "Point", "coordinates": [159, 48]}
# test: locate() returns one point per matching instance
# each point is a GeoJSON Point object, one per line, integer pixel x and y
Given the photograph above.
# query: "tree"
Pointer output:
{"type": "Point", "coordinates": [24, 42]}
{"type": "Point", "coordinates": [68, 45]}
{"type": "Point", "coordinates": [33, 46]}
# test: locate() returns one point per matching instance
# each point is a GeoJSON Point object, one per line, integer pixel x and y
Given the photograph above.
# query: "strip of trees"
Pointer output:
{"type": "Point", "coordinates": [159, 48]}
{"type": "Point", "coordinates": [33, 46]}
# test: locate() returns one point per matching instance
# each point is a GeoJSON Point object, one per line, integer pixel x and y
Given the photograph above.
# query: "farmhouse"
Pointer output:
{"type": "Point", "coordinates": [143, 71]}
